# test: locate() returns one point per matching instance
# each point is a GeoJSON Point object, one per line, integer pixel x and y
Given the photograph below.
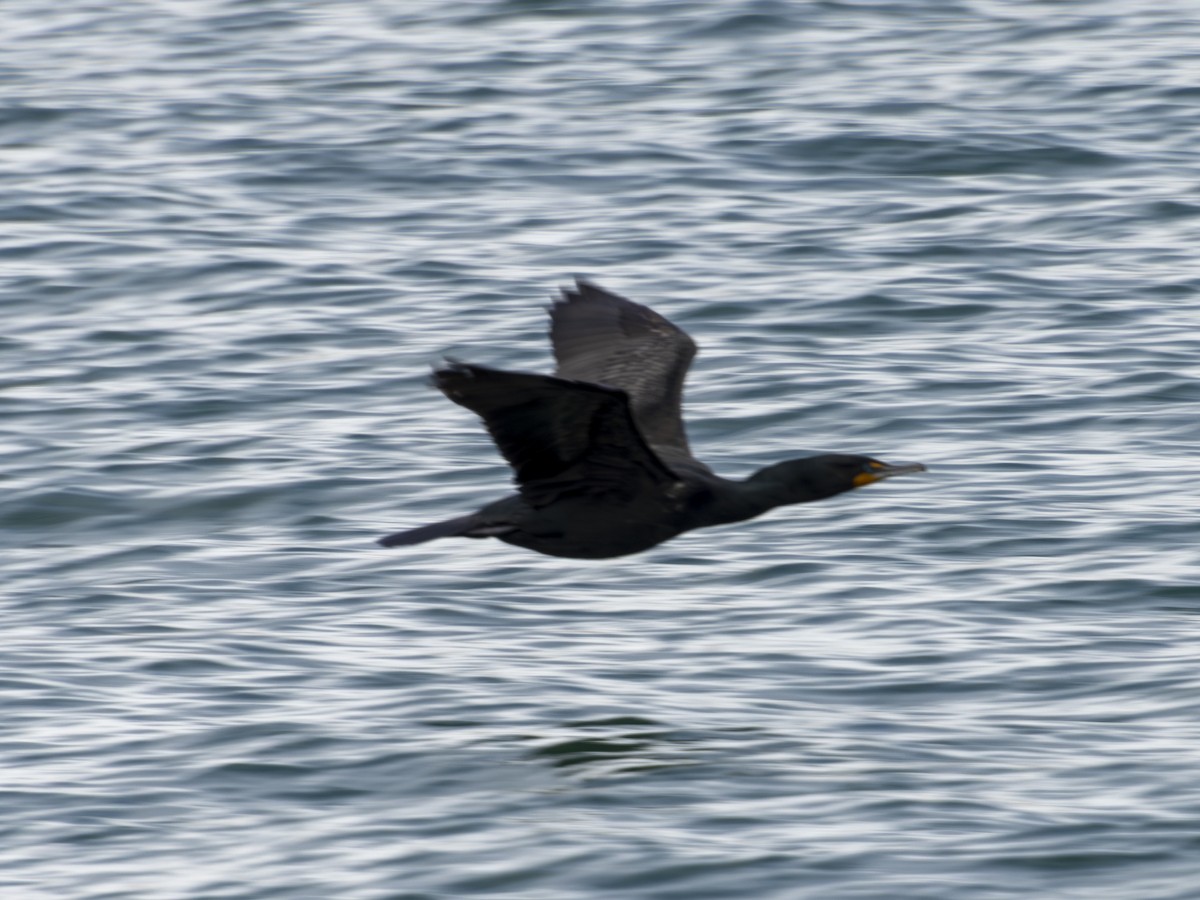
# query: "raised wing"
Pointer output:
{"type": "Point", "coordinates": [559, 436]}
{"type": "Point", "coordinates": [602, 338]}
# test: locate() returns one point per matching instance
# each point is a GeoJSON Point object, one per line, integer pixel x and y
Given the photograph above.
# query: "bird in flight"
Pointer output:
{"type": "Point", "coordinates": [600, 455]}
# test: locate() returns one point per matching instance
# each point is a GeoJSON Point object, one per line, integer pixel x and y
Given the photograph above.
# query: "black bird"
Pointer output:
{"type": "Point", "coordinates": [601, 459]}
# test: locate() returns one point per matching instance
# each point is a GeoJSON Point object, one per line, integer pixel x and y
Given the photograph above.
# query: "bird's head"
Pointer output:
{"type": "Point", "coordinates": [818, 477]}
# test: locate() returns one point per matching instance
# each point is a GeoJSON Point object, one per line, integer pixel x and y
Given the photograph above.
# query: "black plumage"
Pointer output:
{"type": "Point", "coordinates": [599, 449]}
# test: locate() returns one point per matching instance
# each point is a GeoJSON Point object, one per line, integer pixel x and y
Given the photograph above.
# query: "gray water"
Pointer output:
{"type": "Point", "coordinates": [236, 234]}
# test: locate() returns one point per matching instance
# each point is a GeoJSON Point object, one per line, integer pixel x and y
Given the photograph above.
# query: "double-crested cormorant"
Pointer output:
{"type": "Point", "coordinates": [601, 459]}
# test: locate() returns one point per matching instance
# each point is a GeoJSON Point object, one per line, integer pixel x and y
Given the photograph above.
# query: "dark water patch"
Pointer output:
{"type": "Point", "coordinates": [1173, 290]}
{"type": "Point", "coordinates": [234, 774]}
{"type": "Point", "coordinates": [745, 25]}
{"type": "Point", "coordinates": [548, 8]}
{"type": "Point", "coordinates": [188, 666]}
{"type": "Point", "coordinates": [943, 212]}
{"type": "Point", "coordinates": [61, 506]}
{"type": "Point", "coordinates": [878, 153]}
{"type": "Point", "coordinates": [1170, 209]}
{"type": "Point", "coordinates": [1083, 862]}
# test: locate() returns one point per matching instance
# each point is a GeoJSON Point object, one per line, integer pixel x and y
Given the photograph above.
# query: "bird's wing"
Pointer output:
{"type": "Point", "coordinates": [606, 339]}
{"type": "Point", "coordinates": [559, 436]}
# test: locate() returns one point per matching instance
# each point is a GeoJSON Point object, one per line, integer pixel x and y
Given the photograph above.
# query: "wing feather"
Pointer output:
{"type": "Point", "coordinates": [559, 436]}
{"type": "Point", "coordinates": [603, 338]}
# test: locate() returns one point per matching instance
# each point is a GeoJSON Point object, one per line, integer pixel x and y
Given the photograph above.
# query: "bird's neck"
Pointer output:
{"type": "Point", "coordinates": [735, 501]}
{"type": "Point", "coordinates": [785, 483]}
{"type": "Point", "coordinates": [752, 497]}
{"type": "Point", "coordinates": [758, 495]}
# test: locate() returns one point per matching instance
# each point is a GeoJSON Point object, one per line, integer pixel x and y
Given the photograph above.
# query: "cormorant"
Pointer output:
{"type": "Point", "coordinates": [599, 452]}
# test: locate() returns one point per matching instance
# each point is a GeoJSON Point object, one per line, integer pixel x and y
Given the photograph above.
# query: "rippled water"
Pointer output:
{"type": "Point", "coordinates": [236, 234]}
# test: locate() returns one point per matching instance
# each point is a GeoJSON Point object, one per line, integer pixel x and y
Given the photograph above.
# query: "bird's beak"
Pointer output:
{"type": "Point", "coordinates": [880, 471]}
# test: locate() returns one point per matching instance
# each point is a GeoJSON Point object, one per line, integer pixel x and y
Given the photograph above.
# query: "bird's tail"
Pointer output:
{"type": "Point", "coordinates": [449, 528]}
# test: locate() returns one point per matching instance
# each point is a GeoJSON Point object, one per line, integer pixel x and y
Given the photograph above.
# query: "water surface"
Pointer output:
{"type": "Point", "coordinates": [238, 233]}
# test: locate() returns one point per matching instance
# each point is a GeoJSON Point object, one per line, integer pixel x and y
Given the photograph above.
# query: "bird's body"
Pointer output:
{"type": "Point", "coordinates": [599, 450]}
